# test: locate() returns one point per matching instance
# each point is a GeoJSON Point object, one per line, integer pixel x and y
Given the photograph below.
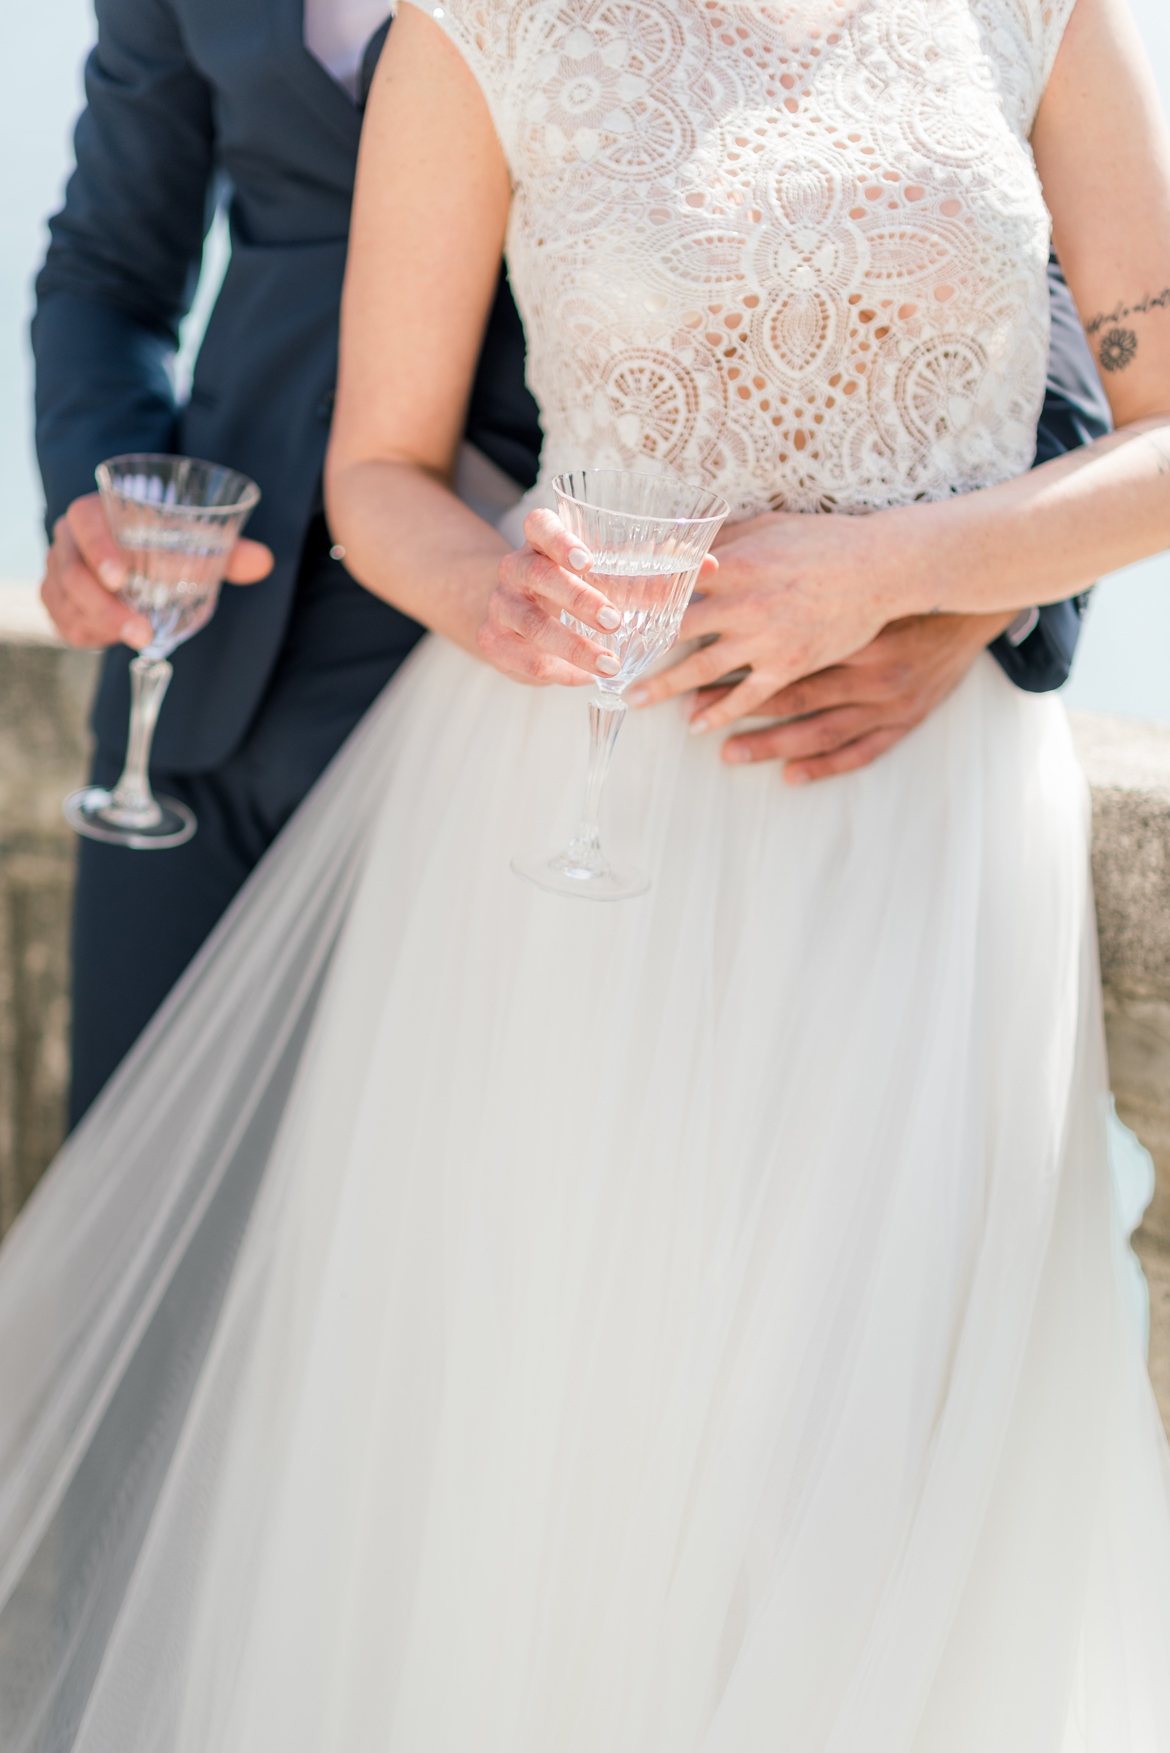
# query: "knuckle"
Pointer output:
{"type": "Point", "coordinates": [541, 527]}
{"type": "Point", "coordinates": [541, 574]}
{"type": "Point", "coordinates": [530, 619]}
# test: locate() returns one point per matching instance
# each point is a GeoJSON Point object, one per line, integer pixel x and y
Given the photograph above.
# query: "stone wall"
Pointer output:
{"type": "Point", "coordinates": [44, 699]}
{"type": "Point", "coordinates": [1128, 765]}
{"type": "Point", "coordinates": [44, 692]}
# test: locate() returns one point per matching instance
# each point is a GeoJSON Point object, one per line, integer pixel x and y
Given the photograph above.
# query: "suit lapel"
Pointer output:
{"type": "Point", "coordinates": [315, 87]}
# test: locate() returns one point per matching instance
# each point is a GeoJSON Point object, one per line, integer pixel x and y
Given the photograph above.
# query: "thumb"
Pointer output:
{"type": "Point", "coordinates": [101, 553]}
{"type": "Point", "coordinates": [249, 562]}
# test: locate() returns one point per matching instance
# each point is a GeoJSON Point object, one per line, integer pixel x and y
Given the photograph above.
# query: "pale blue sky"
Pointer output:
{"type": "Point", "coordinates": [1124, 660]}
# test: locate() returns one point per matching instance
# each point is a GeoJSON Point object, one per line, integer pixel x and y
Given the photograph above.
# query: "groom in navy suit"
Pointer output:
{"type": "Point", "coordinates": [195, 101]}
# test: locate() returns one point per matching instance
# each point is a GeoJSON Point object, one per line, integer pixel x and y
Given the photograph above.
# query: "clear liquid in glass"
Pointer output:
{"type": "Point", "coordinates": [172, 581]}
{"type": "Point", "coordinates": [651, 601]}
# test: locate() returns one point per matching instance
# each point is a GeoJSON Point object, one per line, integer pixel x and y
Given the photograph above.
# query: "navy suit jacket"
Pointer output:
{"type": "Point", "coordinates": [187, 98]}
{"type": "Point", "coordinates": [183, 98]}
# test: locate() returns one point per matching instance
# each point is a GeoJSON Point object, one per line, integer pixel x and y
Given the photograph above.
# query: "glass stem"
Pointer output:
{"type": "Point", "coordinates": [132, 801]}
{"type": "Point", "coordinates": [606, 715]}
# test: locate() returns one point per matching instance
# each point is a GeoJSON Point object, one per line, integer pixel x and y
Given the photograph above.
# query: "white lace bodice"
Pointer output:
{"type": "Point", "coordinates": [794, 250]}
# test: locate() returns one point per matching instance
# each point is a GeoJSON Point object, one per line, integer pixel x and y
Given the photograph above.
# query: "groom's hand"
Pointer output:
{"type": "Point", "coordinates": [844, 717]}
{"type": "Point", "coordinates": [85, 569]}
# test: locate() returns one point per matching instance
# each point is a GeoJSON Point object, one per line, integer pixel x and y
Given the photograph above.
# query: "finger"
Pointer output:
{"type": "Point", "coordinates": [529, 573]}
{"type": "Point", "coordinates": [821, 734]}
{"type": "Point", "coordinates": [86, 522]}
{"type": "Point", "coordinates": [707, 697]}
{"type": "Point", "coordinates": [548, 535]}
{"type": "Point", "coordinates": [85, 614]}
{"type": "Point", "coordinates": [699, 670]}
{"type": "Point", "coordinates": [840, 685]}
{"type": "Point", "coordinates": [847, 759]}
{"type": "Point", "coordinates": [62, 613]}
{"type": "Point", "coordinates": [716, 611]}
{"type": "Point", "coordinates": [83, 610]}
{"type": "Point", "coordinates": [525, 662]}
{"type": "Point", "coordinates": [745, 700]}
{"type": "Point", "coordinates": [249, 562]}
{"type": "Point", "coordinates": [528, 618]}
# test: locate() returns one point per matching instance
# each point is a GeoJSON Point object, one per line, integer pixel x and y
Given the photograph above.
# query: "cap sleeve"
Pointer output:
{"type": "Point", "coordinates": [1054, 16]}
{"type": "Point", "coordinates": [1021, 38]}
{"type": "Point", "coordinates": [480, 31]}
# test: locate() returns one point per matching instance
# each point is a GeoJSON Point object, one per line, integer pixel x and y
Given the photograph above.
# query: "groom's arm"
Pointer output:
{"type": "Point", "coordinates": [120, 274]}
{"type": "Point", "coordinates": [124, 253]}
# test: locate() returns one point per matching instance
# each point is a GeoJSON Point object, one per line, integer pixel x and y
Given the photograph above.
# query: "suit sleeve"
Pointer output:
{"type": "Point", "coordinates": [1075, 412]}
{"type": "Point", "coordinates": [125, 250]}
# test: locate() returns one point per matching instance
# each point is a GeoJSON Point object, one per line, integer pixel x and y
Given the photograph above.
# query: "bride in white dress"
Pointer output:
{"type": "Point", "coordinates": [476, 1323]}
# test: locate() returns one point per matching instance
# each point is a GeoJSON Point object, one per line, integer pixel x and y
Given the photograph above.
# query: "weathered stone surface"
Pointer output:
{"type": "Point", "coordinates": [1128, 764]}
{"type": "Point", "coordinates": [1138, 1031]}
{"type": "Point", "coordinates": [44, 701]}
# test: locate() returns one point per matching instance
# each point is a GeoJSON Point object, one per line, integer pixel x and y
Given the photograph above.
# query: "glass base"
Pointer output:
{"type": "Point", "coordinates": [91, 812]}
{"type": "Point", "coordinates": [582, 879]}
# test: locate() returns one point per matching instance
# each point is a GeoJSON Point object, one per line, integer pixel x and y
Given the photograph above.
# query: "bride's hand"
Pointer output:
{"type": "Point", "coordinates": [793, 594]}
{"type": "Point", "coordinates": [523, 635]}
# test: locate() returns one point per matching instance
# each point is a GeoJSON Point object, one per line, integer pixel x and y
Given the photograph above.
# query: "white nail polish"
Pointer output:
{"type": "Point", "coordinates": [609, 618]}
{"type": "Point", "coordinates": [608, 664]}
{"type": "Point", "coordinates": [637, 696]}
{"type": "Point", "coordinates": [698, 726]}
{"type": "Point", "coordinates": [579, 559]}
{"type": "Point", "coordinates": [111, 574]}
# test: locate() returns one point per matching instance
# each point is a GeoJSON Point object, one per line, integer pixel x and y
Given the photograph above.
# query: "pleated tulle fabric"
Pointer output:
{"type": "Point", "coordinates": [696, 1325]}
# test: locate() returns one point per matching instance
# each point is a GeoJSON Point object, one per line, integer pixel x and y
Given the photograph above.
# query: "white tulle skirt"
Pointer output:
{"type": "Point", "coordinates": [476, 1322]}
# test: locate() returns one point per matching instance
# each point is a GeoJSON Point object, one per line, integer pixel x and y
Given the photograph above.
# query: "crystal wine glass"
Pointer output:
{"type": "Point", "coordinates": [177, 521]}
{"type": "Point", "coordinates": [648, 535]}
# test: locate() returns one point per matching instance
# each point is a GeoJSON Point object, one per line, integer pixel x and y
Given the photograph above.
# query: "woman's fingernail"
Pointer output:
{"type": "Point", "coordinates": [580, 558]}
{"type": "Point", "coordinates": [608, 664]}
{"type": "Point", "coordinates": [796, 775]}
{"type": "Point", "coordinates": [698, 726]}
{"type": "Point", "coordinates": [112, 575]}
{"type": "Point", "coordinates": [637, 696]}
{"type": "Point", "coordinates": [608, 618]}
{"type": "Point", "coordinates": [736, 754]}
{"type": "Point", "coordinates": [134, 633]}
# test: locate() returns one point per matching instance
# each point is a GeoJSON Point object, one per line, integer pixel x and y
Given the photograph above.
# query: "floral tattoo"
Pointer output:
{"type": "Point", "coordinates": [1118, 346]}
{"type": "Point", "coordinates": [1117, 349]}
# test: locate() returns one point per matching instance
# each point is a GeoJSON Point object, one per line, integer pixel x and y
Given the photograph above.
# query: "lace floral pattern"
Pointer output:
{"type": "Point", "coordinates": [796, 251]}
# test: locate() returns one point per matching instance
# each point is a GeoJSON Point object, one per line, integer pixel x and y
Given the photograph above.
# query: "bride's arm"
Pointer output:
{"type": "Point", "coordinates": [430, 208]}
{"type": "Point", "coordinates": [797, 593]}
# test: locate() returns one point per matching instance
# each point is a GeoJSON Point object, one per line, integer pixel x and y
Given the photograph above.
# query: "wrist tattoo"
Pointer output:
{"type": "Point", "coordinates": [1117, 345]}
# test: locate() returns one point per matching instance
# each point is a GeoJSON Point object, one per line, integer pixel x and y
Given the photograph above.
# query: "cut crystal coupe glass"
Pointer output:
{"type": "Point", "coordinates": [648, 535]}
{"type": "Point", "coordinates": [176, 520]}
